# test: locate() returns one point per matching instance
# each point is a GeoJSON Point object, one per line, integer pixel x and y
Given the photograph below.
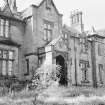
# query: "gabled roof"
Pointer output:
{"type": "Point", "coordinates": [53, 42]}
{"type": "Point", "coordinates": [39, 4]}
{"type": "Point", "coordinates": [58, 44]}
{"type": "Point", "coordinates": [7, 12]}
{"type": "Point", "coordinates": [97, 33]}
{"type": "Point", "coordinates": [101, 32]}
{"type": "Point", "coordinates": [92, 31]}
{"type": "Point", "coordinates": [3, 14]}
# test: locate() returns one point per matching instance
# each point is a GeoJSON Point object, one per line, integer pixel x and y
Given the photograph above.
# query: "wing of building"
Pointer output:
{"type": "Point", "coordinates": [36, 35]}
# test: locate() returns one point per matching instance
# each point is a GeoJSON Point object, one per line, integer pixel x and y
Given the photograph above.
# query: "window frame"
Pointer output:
{"type": "Point", "coordinates": [48, 28]}
{"type": "Point", "coordinates": [4, 28]}
{"type": "Point", "coordinates": [7, 60]}
{"type": "Point", "coordinates": [100, 66]}
{"type": "Point", "coordinates": [84, 68]}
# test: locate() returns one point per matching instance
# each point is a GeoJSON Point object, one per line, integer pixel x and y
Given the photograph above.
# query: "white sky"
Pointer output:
{"type": "Point", "coordinates": [93, 10]}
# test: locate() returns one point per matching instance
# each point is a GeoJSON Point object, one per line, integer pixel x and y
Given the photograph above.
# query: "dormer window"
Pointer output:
{"type": "Point", "coordinates": [48, 4]}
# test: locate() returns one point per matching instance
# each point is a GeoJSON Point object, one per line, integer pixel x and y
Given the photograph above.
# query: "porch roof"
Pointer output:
{"type": "Point", "coordinates": [53, 42]}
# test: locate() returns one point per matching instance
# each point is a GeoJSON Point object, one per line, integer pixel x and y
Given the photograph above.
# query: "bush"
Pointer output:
{"type": "Point", "coordinates": [45, 76]}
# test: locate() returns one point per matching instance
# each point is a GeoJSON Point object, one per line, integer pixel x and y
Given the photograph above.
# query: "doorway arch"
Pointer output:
{"type": "Point", "coordinates": [63, 70]}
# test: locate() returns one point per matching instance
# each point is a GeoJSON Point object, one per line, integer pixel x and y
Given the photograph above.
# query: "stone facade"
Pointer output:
{"type": "Point", "coordinates": [36, 36]}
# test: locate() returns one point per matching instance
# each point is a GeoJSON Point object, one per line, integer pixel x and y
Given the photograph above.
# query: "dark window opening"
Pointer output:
{"type": "Point", "coordinates": [6, 62]}
{"type": "Point", "coordinates": [27, 62]}
{"type": "Point", "coordinates": [101, 73]}
{"type": "Point", "coordinates": [48, 31]}
{"type": "Point", "coordinates": [84, 67]}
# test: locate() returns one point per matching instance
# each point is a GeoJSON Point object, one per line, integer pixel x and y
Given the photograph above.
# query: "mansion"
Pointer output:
{"type": "Point", "coordinates": [36, 34]}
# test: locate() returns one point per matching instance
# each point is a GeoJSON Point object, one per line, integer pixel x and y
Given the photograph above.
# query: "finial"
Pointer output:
{"type": "Point", "coordinates": [93, 29]}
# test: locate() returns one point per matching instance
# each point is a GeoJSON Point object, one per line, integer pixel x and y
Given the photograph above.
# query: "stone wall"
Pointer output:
{"type": "Point", "coordinates": [34, 34]}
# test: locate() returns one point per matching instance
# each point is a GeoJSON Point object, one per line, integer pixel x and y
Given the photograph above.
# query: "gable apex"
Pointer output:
{"type": "Point", "coordinates": [39, 4]}
{"type": "Point", "coordinates": [7, 10]}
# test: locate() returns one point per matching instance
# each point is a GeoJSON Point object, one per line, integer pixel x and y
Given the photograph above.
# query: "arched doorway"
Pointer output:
{"type": "Point", "coordinates": [63, 71]}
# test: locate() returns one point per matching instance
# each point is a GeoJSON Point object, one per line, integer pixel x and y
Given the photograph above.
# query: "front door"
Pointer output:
{"type": "Point", "coordinates": [63, 70]}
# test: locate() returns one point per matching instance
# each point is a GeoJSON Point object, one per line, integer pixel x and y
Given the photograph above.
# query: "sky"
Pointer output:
{"type": "Point", "coordinates": [93, 10]}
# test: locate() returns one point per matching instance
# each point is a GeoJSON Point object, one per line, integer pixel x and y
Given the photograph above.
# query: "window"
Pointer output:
{"type": "Point", "coordinates": [101, 49]}
{"type": "Point", "coordinates": [47, 32]}
{"type": "Point", "coordinates": [10, 62]}
{"type": "Point", "coordinates": [48, 4]}
{"type": "Point", "coordinates": [100, 73]}
{"type": "Point", "coordinates": [84, 67]}
{"type": "Point", "coordinates": [84, 48]}
{"type": "Point", "coordinates": [65, 38]}
{"type": "Point", "coordinates": [27, 61]}
{"type": "Point", "coordinates": [78, 18]}
{"type": "Point", "coordinates": [41, 59]}
{"type": "Point", "coordinates": [82, 44]}
{"type": "Point", "coordinates": [4, 28]}
{"type": "Point", "coordinates": [6, 62]}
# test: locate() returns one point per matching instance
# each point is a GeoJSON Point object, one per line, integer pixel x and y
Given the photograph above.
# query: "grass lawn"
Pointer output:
{"type": "Point", "coordinates": [57, 95]}
{"type": "Point", "coordinates": [74, 95]}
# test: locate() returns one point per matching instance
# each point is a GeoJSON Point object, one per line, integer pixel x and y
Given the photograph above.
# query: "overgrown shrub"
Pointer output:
{"type": "Point", "coordinates": [46, 75]}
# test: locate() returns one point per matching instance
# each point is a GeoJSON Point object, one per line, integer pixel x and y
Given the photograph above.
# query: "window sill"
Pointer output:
{"type": "Point", "coordinates": [85, 81]}
{"type": "Point", "coordinates": [84, 52]}
{"type": "Point", "coordinates": [27, 74]}
{"type": "Point", "coordinates": [7, 76]}
{"type": "Point", "coordinates": [101, 83]}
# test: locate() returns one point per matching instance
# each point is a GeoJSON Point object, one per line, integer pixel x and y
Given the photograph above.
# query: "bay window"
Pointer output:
{"type": "Point", "coordinates": [4, 28]}
{"type": "Point", "coordinates": [6, 62]}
